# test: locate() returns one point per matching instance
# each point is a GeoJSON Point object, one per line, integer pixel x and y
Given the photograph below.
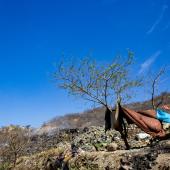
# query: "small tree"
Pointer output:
{"type": "Point", "coordinates": [155, 81]}
{"type": "Point", "coordinates": [154, 84]}
{"type": "Point", "coordinates": [106, 85]}
{"type": "Point", "coordinates": [13, 140]}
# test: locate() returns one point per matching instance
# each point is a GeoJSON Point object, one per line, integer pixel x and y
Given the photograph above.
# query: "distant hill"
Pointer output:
{"type": "Point", "coordinates": [95, 117]}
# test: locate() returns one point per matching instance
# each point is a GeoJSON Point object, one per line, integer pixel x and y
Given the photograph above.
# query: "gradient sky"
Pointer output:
{"type": "Point", "coordinates": [35, 33]}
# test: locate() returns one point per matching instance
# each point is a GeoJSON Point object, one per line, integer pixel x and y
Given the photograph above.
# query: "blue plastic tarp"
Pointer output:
{"type": "Point", "coordinates": [163, 116]}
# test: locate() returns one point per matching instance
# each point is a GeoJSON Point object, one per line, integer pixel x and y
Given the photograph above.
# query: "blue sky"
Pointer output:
{"type": "Point", "coordinates": [35, 33]}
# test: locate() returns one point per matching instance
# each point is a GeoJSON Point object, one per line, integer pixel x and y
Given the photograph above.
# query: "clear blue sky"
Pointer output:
{"type": "Point", "coordinates": [34, 34]}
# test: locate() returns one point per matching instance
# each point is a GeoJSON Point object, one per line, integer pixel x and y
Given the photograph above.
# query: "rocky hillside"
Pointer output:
{"type": "Point", "coordinates": [95, 117]}
{"type": "Point", "coordinates": [79, 142]}
{"type": "Point", "coordinates": [137, 159]}
{"type": "Point", "coordinates": [92, 149]}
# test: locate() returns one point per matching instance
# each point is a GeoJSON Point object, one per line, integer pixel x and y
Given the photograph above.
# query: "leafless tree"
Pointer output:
{"type": "Point", "coordinates": [13, 140]}
{"type": "Point", "coordinates": [155, 80]}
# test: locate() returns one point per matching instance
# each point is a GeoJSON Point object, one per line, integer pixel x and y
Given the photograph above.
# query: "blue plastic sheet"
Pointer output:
{"type": "Point", "coordinates": [163, 116]}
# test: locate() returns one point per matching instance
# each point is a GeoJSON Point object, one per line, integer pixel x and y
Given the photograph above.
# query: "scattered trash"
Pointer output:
{"type": "Point", "coordinates": [141, 136]}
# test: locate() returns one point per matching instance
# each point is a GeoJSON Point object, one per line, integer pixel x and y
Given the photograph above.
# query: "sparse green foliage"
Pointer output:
{"type": "Point", "coordinates": [103, 84]}
{"type": "Point", "coordinates": [5, 166]}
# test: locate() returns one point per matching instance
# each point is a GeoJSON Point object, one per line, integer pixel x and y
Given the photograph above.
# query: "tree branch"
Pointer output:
{"type": "Point", "coordinates": [162, 71]}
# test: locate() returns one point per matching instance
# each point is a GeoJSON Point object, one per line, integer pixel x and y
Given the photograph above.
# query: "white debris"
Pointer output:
{"type": "Point", "coordinates": [166, 125]}
{"type": "Point", "coordinates": [143, 135]}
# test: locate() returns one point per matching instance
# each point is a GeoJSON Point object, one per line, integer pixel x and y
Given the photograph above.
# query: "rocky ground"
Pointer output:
{"type": "Point", "coordinates": [90, 148]}
{"type": "Point", "coordinates": [81, 143]}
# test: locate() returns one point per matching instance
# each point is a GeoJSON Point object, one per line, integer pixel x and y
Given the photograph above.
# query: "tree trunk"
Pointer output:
{"type": "Point", "coordinates": [15, 159]}
{"type": "Point", "coordinates": [114, 120]}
